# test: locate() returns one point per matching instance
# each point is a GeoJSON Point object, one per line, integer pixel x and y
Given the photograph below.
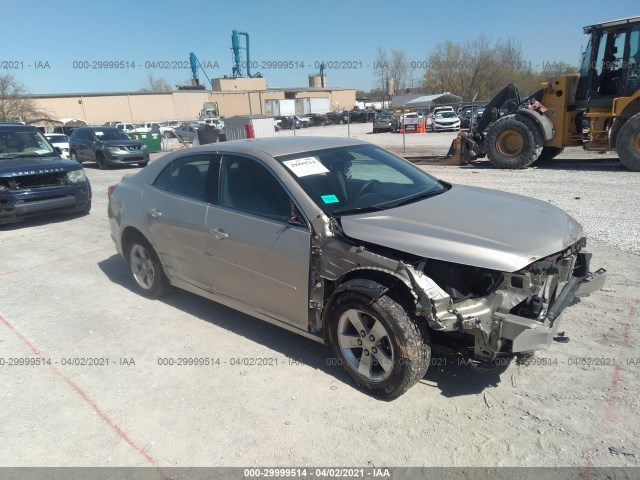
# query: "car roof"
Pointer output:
{"type": "Point", "coordinates": [277, 146]}
{"type": "Point", "coordinates": [16, 127]}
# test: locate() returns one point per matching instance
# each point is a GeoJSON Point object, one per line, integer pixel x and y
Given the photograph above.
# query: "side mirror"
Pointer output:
{"type": "Point", "coordinates": [58, 150]}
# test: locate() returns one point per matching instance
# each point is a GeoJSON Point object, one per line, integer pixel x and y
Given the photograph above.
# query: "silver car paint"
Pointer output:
{"type": "Point", "coordinates": [267, 262]}
{"type": "Point", "coordinates": [326, 256]}
{"type": "Point", "coordinates": [497, 230]}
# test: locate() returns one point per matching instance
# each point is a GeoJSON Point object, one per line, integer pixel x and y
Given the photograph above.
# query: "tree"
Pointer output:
{"type": "Point", "coordinates": [484, 67]}
{"type": "Point", "coordinates": [153, 84]}
{"type": "Point", "coordinates": [399, 69]}
{"type": "Point", "coordinates": [15, 103]}
{"type": "Point", "coordinates": [381, 70]}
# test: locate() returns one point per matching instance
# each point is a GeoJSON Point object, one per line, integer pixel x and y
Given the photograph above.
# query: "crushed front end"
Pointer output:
{"type": "Point", "coordinates": [486, 314]}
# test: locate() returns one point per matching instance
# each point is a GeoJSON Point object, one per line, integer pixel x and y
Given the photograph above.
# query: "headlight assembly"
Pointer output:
{"type": "Point", "coordinates": [76, 176]}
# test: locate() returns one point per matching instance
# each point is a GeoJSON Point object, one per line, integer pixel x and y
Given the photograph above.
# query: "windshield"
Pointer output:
{"type": "Point", "coordinates": [446, 115]}
{"type": "Point", "coordinates": [359, 178]}
{"type": "Point", "coordinates": [25, 143]}
{"type": "Point", "coordinates": [111, 134]}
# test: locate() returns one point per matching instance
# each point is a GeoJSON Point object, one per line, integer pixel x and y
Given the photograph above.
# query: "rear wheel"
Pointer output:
{"type": "Point", "coordinates": [549, 153]}
{"type": "Point", "coordinates": [146, 269]}
{"type": "Point", "coordinates": [514, 141]}
{"type": "Point", "coordinates": [380, 346]}
{"type": "Point", "coordinates": [628, 143]}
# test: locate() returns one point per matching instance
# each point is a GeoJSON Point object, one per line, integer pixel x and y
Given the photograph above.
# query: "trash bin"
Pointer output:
{"type": "Point", "coordinates": [150, 139]}
{"type": "Point", "coordinates": [208, 134]}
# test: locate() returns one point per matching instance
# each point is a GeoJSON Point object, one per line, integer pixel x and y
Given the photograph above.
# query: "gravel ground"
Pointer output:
{"type": "Point", "coordinates": [67, 295]}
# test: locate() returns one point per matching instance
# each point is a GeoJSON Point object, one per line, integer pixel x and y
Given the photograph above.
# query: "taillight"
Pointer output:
{"type": "Point", "coordinates": [110, 190]}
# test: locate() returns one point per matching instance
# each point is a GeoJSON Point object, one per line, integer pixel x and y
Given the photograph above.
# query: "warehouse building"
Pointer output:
{"type": "Point", "coordinates": [234, 96]}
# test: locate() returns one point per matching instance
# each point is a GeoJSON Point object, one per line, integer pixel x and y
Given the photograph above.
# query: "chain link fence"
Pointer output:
{"type": "Point", "coordinates": [415, 141]}
{"type": "Point", "coordinates": [419, 138]}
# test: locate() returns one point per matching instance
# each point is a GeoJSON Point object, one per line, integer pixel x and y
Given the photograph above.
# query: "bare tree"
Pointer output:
{"type": "Point", "coordinates": [15, 103]}
{"type": "Point", "coordinates": [479, 67]}
{"type": "Point", "coordinates": [399, 69]}
{"type": "Point", "coordinates": [153, 84]}
{"type": "Point", "coordinates": [381, 71]}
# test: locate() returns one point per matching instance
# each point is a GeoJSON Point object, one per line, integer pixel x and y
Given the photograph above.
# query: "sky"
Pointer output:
{"type": "Point", "coordinates": [74, 46]}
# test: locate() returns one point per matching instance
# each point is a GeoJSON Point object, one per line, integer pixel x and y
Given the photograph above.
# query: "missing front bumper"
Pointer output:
{"type": "Point", "coordinates": [529, 335]}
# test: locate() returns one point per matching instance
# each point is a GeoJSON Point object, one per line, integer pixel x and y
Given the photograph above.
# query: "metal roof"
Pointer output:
{"type": "Point", "coordinates": [612, 23]}
{"type": "Point", "coordinates": [424, 100]}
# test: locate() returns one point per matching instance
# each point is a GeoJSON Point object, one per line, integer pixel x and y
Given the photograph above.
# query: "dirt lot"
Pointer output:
{"type": "Point", "coordinates": [66, 297]}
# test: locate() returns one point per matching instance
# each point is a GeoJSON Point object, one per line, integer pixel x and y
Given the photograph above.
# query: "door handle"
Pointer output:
{"type": "Point", "coordinates": [218, 233]}
{"type": "Point", "coordinates": [155, 213]}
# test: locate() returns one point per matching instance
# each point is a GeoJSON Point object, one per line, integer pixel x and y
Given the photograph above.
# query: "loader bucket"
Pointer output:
{"type": "Point", "coordinates": [461, 150]}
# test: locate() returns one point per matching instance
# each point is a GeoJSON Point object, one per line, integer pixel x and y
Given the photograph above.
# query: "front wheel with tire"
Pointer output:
{"type": "Point", "coordinates": [74, 156]}
{"type": "Point", "coordinates": [514, 141]}
{"type": "Point", "coordinates": [146, 269]}
{"type": "Point", "coordinates": [378, 343]}
{"type": "Point", "coordinates": [101, 160]}
{"type": "Point", "coordinates": [628, 143]}
{"type": "Point", "coordinates": [143, 164]}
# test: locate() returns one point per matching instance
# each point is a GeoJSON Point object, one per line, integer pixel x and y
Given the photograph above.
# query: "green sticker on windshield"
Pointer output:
{"type": "Point", "coordinates": [330, 199]}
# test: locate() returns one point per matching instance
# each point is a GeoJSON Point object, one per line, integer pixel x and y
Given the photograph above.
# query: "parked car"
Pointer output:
{"type": "Point", "coordinates": [437, 110]}
{"type": "Point", "coordinates": [476, 116]}
{"type": "Point", "coordinates": [277, 125]}
{"type": "Point", "coordinates": [35, 180]}
{"type": "Point", "coordinates": [445, 120]}
{"type": "Point", "coordinates": [148, 127]}
{"type": "Point", "coordinates": [214, 122]}
{"type": "Point", "coordinates": [59, 140]}
{"type": "Point", "coordinates": [126, 127]}
{"type": "Point", "coordinates": [106, 146]}
{"type": "Point", "coordinates": [466, 113]}
{"type": "Point", "coordinates": [318, 119]}
{"type": "Point", "coordinates": [64, 130]}
{"type": "Point", "coordinates": [336, 118]}
{"type": "Point", "coordinates": [385, 122]}
{"type": "Point", "coordinates": [287, 123]}
{"type": "Point", "coordinates": [362, 116]}
{"type": "Point", "coordinates": [373, 256]}
{"type": "Point", "coordinates": [305, 122]}
{"type": "Point", "coordinates": [187, 131]}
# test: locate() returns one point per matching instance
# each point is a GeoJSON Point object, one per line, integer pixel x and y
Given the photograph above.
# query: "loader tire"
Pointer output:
{"type": "Point", "coordinates": [628, 143]}
{"type": "Point", "coordinates": [549, 153]}
{"type": "Point", "coordinates": [513, 141]}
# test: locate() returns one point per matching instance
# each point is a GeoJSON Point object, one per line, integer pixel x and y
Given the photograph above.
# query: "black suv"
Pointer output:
{"type": "Point", "coordinates": [287, 122]}
{"type": "Point", "coordinates": [106, 146]}
{"type": "Point", "coordinates": [34, 180]}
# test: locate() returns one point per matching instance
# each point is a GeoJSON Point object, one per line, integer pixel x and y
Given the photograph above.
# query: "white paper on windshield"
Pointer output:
{"type": "Point", "coordinates": [99, 134]}
{"type": "Point", "coordinates": [41, 151]}
{"type": "Point", "coordinates": [301, 167]}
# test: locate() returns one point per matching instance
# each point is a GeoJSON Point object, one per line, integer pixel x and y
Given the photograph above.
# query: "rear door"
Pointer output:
{"type": "Point", "coordinates": [256, 255]}
{"type": "Point", "coordinates": [175, 206]}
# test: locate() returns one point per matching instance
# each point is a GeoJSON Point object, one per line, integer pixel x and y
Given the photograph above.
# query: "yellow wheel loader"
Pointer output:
{"type": "Point", "coordinates": [598, 109]}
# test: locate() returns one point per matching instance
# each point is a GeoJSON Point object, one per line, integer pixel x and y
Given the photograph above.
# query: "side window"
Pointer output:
{"type": "Point", "coordinates": [186, 176]}
{"type": "Point", "coordinates": [248, 186]}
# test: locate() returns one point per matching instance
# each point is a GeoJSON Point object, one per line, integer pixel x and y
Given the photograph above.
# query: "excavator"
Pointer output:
{"type": "Point", "coordinates": [598, 108]}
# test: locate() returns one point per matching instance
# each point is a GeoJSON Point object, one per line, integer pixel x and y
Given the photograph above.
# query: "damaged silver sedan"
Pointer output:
{"type": "Point", "coordinates": [349, 245]}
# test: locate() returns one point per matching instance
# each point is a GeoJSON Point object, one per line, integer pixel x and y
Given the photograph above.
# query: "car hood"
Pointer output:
{"type": "Point", "coordinates": [470, 226]}
{"type": "Point", "coordinates": [12, 167]}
